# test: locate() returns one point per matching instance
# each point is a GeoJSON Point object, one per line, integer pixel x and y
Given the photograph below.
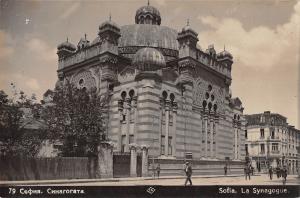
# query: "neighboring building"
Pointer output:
{"type": "Point", "coordinates": [271, 141]}
{"type": "Point", "coordinates": [167, 94]}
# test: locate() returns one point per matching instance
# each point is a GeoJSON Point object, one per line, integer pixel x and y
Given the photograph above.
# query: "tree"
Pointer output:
{"type": "Point", "coordinates": [16, 114]}
{"type": "Point", "coordinates": [75, 119]}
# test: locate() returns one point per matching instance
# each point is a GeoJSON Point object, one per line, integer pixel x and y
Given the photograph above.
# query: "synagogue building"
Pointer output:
{"type": "Point", "coordinates": [168, 95]}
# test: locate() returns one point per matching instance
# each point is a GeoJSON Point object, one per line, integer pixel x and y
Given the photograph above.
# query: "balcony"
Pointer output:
{"type": "Point", "coordinates": [274, 138]}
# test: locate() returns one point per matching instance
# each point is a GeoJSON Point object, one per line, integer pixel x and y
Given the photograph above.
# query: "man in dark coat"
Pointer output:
{"type": "Point", "coordinates": [252, 170]}
{"type": "Point", "coordinates": [278, 172]}
{"type": "Point", "coordinates": [284, 174]}
{"type": "Point", "coordinates": [225, 170]}
{"type": "Point", "coordinates": [247, 171]}
{"type": "Point", "coordinates": [188, 172]}
{"type": "Point", "coordinates": [158, 170]}
{"type": "Point", "coordinates": [271, 172]}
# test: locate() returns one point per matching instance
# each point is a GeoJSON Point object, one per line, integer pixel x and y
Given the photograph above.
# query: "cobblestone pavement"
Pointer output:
{"type": "Point", "coordinates": [255, 180]}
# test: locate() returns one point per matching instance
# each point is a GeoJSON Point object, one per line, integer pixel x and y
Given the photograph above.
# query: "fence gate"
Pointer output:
{"type": "Point", "coordinates": [121, 165]}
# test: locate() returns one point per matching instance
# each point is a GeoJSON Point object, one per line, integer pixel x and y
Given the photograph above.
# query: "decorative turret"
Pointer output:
{"type": "Point", "coordinates": [211, 51]}
{"type": "Point", "coordinates": [147, 15]}
{"type": "Point", "coordinates": [226, 58]}
{"type": "Point", "coordinates": [109, 32]}
{"type": "Point", "coordinates": [187, 40]}
{"type": "Point", "coordinates": [83, 43]}
{"type": "Point", "coordinates": [65, 49]}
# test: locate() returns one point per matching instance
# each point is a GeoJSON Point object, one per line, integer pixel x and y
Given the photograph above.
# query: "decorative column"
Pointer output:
{"type": "Point", "coordinates": [121, 109]}
{"type": "Point", "coordinates": [127, 103]}
{"type": "Point", "coordinates": [134, 105]}
{"type": "Point", "coordinates": [133, 160]}
{"type": "Point", "coordinates": [205, 117]}
{"type": "Point", "coordinates": [175, 107]}
{"type": "Point", "coordinates": [105, 160]}
{"type": "Point", "coordinates": [235, 142]}
{"type": "Point", "coordinates": [238, 139]}
{"type": "Point", "coordinates": [211, 136]}
{"type": "Point", "coordinates": [144, 160]}
{"type": "Point", "coordinates": [160, 125]}
{"type": "Point", "coordinates": [215, 134]}
{"type": "Point", "coordinates": [167, 108]}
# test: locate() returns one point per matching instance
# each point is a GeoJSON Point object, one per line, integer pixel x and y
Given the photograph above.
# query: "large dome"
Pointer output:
{"type": "Point", "coordinates": [148, 35]}
{"type": "Point", "coordinates": [148, 59]}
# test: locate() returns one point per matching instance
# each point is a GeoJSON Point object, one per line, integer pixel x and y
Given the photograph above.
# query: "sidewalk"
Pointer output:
{"type": "Point", "coordinates": [68, 181]}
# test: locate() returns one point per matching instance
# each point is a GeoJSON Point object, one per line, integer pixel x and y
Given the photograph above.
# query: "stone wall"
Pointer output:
{"type": "Point", "coordinates": [18, 168]}
{"type": "Point", "coordinates": [200, 167]}
{"type": "Point", "coordinates": [21, 168]}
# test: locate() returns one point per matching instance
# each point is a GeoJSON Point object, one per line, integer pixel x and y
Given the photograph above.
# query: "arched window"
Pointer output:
{"type": "Point", "coordinates": [204, 103]}
{"type": "Point", "coordinates": [165, 95]}
{"type": "Point", "coordinates": [131, 93]}
{"type": "Point", "coordinates": [123, 95]}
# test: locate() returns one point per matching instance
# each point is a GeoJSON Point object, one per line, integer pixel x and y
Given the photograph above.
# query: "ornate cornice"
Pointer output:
{"type": "Point", "coordinates": [111, 59]}
{"type": "Point", "coordinates": [187, 63]}
{"type": "Point", "coordinates": [134, 49]}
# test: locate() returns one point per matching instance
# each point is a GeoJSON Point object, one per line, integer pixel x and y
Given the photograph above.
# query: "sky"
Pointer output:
{"type": "Point", "coordinates": [262, 35]}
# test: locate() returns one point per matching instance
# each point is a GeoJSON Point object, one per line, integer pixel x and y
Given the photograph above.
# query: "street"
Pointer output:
{"type": "Point", "coordinates": [262, 179]}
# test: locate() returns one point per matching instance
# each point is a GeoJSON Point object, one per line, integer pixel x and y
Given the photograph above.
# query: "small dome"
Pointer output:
{"type": "Point", "coordinates": [188, 28]}
{"type": "Point", "coordinates": [66, 45]}
{"type": "Point", "coordinates": [148, 59]}
{"type": "Point", "coordinates": [225, 54]}
{"type": "Point", "coordinates": [109, 23]}
{"type": "Point", "coordinates": [188, 31]}
{"type": "Point", "coordinates": [147, 15]}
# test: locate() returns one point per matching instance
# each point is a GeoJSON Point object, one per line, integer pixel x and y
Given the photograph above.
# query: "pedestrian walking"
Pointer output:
{"type": "Point", "coordinates": [188, 172]}
{"type": "Point", "coordinates": [278, 172]}
{"type": "Point", "coordinates": [247, 172]}
{"type": "Point", "coordinates": [225, 170]}
{"type": "Point", "coordinates": [284, 174]}
{"type": "Point", "coordinates": [158, 170]}
{"type": "Point", "coordinates": [153, 170]}
{"type": "Point", "coordinates": [252, 170]}
{"type": "Point", "coordinates": [271, 172]}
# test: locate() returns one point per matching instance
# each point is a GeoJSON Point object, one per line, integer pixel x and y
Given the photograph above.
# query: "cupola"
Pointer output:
{"type": "Point", "coordinates": [147, 15]}
{"type": "Point", "coordinates": [65, 49]}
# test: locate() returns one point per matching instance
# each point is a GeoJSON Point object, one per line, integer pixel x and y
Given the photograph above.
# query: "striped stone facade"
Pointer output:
{"type": "Point", "coordinates": [181, 110]}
